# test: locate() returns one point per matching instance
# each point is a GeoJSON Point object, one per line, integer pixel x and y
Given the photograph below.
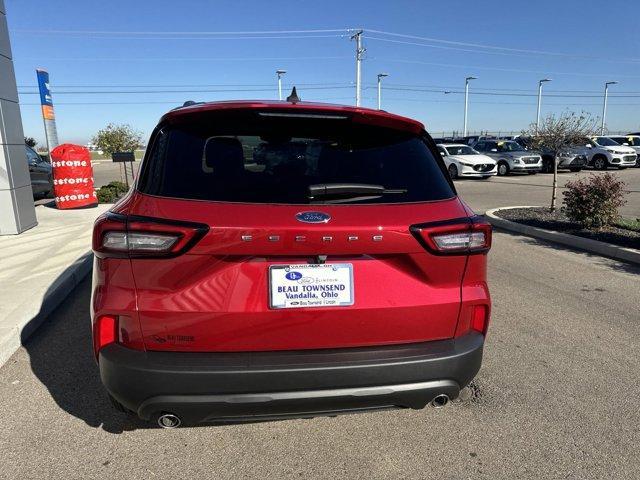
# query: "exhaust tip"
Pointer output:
{"type": "Point", "coordinates": [169, 420]}
{"type": "Point", "coordinates": [440, 401]}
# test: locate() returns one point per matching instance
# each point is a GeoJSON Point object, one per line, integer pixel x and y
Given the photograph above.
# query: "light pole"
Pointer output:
{"type": "Point", "coordinates": [466, 103]}
{"type": "Point", "coordinates": [380, 77]}
{"type": "Point", "coordinates": [544, 80]}
{"type": "Point", "coordinates": [280, 73]}
{"type": "Point", "coordinates": [604, 106]}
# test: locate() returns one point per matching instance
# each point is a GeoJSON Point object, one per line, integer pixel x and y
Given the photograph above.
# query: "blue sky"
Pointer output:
{"type": "Point", "coordinates": [580, 45]}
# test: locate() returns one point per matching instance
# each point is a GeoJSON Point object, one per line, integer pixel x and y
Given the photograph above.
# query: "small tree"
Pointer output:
{"type": "Point", "coordinates": [117, 138]}
{"type": "Point", "coordinates": [30, 142]}
{"type": "Point", "coordinates": [557, 134]}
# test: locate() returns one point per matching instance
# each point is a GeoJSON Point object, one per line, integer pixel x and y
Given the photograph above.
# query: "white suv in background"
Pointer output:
{"type": "Point", "coordinates": [602, 153]}
{"type": "Point", "coordinates": [632, 141]}
{"type": "Point", "coordinates": [463, 161]}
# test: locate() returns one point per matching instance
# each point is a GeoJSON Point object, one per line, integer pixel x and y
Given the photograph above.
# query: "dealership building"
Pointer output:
{"type": "Point", "coordinates": [17, 211]}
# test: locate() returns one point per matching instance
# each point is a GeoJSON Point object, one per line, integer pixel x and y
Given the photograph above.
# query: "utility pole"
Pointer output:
{"type": "Point", "coordinates": [280, 73]}
{"type": "Point", "coordinates": [359, 51]}
{"type": "Point", "coordinates": [604, 106]}
{"type": "Point", "coordinates": [380, 77]}
{"type": "Point", "coordinates": [540, 101]}
{"type": "Point", "coordinates": [466, 102]}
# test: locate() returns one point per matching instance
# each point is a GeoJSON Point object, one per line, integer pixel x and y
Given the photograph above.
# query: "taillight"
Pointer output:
{"type": "Point", "coordinates": [480, 319]}
{"type": "Point", "coordinates": [473, 318]}
{"type": "Point", "coordinates": [116, 235]}
{"type": "Point", "coordinates": [105, 332]}
{"type": "Point", "coordinates": [456, 237]}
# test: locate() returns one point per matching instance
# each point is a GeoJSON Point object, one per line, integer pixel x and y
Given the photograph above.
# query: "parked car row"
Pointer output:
{"type": "Point", "coordinates": [486, 156]}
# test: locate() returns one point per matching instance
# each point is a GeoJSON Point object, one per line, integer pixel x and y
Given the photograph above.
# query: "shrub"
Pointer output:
{"type": "Point", "coordinates": [111, 192]}
{"type": "Point", "coordinates": [594, 201]}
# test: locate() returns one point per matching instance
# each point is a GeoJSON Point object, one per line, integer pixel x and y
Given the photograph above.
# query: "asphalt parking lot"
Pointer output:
{"type": "Point", "coordinates": [557, 397]}
{"type": "Point", "coordinates": [105, 171]}
{"type": "Point", "coordinates": [535, 190]}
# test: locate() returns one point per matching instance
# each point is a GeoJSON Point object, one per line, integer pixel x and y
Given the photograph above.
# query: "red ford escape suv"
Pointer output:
{"type": "Point", "coordinates": [287, 259]}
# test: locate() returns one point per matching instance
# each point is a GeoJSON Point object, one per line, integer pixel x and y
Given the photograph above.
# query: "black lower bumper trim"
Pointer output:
{"type": "Point", "coordinates": [201, 387]}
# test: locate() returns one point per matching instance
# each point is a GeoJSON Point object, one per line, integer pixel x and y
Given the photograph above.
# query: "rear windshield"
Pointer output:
{"type": "Point", "coordinates": [261, 158]}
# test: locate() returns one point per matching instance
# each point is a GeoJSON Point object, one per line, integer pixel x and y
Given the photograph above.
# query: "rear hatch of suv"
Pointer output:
{"type": "Point", "coordinates": [302, 229]}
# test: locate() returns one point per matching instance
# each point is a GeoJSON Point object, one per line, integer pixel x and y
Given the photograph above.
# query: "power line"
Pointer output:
{"type": "Point", "coordinates": [424, 100]}
{"type": "Point", "coordinates": [158, 102]}
{"type": "Point", "coordinates": [197, 85]}
{"type": "Point", "coordinates": [533, 104]}
{"type": "Point", "coordinates": [178, 59]}
{"type": "Point", "coordinates": [449, 87]}
{"type": "Point", "coordinates": [482, 52]}
{"type": "Point", "coordinates": [503, 94]}
{"type": "Point", "coordinates": [164, 32]}
{"type": "Point", "coordinates": [270, 37]}
{"type": "Point", "coordinates": [391, 87]}
{"type": "Point", "coordinates": [494, 47]}
{"type": "Point", "coordinates": [310, 84]}
{"type": "Point", "coordinates": [500, 69]}
{"type": "Point", "coordinates": [443, 47]}
{"type": "Point", "coordinates": [118, 92]}
{"type": "Point", "coordinates": [288, 33]}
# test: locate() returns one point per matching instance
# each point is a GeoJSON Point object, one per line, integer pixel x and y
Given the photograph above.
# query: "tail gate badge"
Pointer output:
{"type": "Point", "coordinates": [313, 217]}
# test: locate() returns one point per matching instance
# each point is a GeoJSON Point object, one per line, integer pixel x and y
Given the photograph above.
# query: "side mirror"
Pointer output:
{"type": "Point", "coordinates": [588, 145]}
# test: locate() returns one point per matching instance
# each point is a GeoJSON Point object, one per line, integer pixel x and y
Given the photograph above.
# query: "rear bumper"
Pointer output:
{"type": "Point", "coordinates": [204, 387]}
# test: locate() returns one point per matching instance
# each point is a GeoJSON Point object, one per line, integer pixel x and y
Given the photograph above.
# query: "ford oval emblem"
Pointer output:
{"type": "Point", "coordinates": [313, 217]}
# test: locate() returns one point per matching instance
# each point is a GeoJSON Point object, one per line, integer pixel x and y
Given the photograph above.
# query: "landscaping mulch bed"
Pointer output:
{"type": "Point", "coordinates": [557, 221]}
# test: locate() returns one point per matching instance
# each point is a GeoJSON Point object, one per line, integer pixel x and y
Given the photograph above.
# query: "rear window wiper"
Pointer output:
{"type": "Point", "coordinates": [350, 191]}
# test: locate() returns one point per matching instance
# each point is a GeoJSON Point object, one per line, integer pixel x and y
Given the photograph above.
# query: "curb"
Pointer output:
{"type": "Point", "coordinates": [54, 296]}
{"type": "Point", "coordinates": [592, 246]}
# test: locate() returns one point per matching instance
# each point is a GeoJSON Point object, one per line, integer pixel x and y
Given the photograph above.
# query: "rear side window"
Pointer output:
{"type": "Point", "coordinates": [259, 158]}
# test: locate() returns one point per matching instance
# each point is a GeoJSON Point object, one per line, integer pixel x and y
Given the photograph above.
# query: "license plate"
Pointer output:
{"type": "Point", "coordinates": [303, 286]}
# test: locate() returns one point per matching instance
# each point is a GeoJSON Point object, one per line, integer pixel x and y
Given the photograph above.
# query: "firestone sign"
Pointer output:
{"type": "Point", "coordinates": [72, 177]}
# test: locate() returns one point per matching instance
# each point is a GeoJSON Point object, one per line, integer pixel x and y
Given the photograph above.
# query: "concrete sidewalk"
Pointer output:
{"type": "Point", "coordinates": [39, 268]}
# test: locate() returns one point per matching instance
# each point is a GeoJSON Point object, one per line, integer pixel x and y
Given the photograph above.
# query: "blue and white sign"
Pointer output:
{"type": "Point", "coordinates": [48, 115]}
{"type": "Point", "coordinates": [43, 87]}
{"type": "Point", "coordinates": [303, 286]}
